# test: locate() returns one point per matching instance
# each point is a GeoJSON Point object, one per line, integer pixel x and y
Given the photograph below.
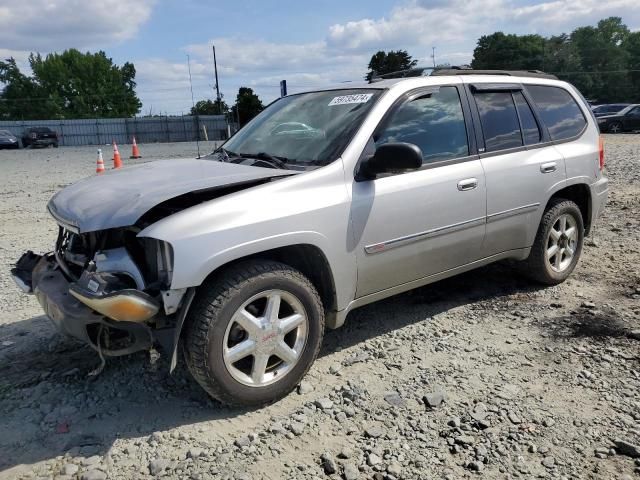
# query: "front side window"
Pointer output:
{"type": "Point", "coordinates": [558, 110]}
{"type": "Point", "coordinates": [303, 130]}
{"type": "Point", "coordinates": [499, 120]}
{"type": "Point", "coordinates": [433, 121]}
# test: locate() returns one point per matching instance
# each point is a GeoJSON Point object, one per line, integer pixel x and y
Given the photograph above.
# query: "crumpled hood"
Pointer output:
{"type": "Point", "coordinates": [118, 198]}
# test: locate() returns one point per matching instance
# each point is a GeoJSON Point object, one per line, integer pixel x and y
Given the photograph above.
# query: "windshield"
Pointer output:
{"type": "Point", "coordinates": [308, 129]}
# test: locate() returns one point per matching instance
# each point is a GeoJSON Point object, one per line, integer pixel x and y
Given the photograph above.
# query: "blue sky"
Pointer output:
{"type": "Point", "coordinates": [259, 43]}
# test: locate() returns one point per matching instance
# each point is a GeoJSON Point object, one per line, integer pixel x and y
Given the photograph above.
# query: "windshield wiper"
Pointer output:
{"type": "Point", "coordinates": [228, 154]}
{"type": "Point", "coordinates": [278, 162]}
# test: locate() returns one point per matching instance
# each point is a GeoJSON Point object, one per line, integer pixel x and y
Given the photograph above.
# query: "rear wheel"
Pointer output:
{"type": "Point", "coordinates": [253, 332]}
{"type": "Point", "coordinates": [615, 127]}
{"type": "Point", "coordinates": [558, 243]}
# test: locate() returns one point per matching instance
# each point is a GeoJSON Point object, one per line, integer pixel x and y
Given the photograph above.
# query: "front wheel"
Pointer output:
{"type": "Point", "coordinates": [253, 332]}
{"type": "Point", "coordinates": [558, 244]}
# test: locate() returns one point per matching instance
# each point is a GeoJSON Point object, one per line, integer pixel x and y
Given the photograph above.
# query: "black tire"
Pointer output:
{"type": "Point", "coordinates": [55, 145]}
{"type": "Point", "coordinates": [537, 266]}
{"type": "Point", "coordinates": [216, 302]}
{"type": "Point", "coordinates": [615, 127]}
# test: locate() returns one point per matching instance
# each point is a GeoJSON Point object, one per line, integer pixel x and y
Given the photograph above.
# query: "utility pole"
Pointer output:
{"type": "Point", "coordinates": [433, 56]}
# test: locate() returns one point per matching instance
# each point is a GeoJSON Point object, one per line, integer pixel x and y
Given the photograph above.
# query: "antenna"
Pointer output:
{"type": "Point", "coordinates": [433, 56]}
{"type": "Point", "coordinates": [215, 68]}
{"type": "Point", "coordinates": [193, 103]}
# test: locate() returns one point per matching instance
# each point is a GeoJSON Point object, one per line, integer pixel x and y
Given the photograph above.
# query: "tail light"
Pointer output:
{"type": "Point", "coordinates": [601, 152]}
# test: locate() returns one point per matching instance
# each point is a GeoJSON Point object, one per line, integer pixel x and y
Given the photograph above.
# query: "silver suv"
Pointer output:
{"type": "Point", "coordinates": [326, 201]}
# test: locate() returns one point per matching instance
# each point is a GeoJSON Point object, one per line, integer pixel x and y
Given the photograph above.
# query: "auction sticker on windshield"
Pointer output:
{"type": "Point", "coordinates": [346, 99]}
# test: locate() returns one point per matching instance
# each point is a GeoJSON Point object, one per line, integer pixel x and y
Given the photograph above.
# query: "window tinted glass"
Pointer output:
{"type": "Point", "coordinates": [635, 112]}
{"type": "Point", "coordinates": [434, 122]}
{"type": "Point", "coordinates": [499, 120]}
{"type": "Point", "coordinates": [530, 129]}
{"type": "Point", "coordinates": [559, 111]}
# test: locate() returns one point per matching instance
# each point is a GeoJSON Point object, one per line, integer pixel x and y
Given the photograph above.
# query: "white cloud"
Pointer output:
{"type": "Point", "coordinates": [452, 26]}
{"type": "Point", "coordinates": [49, 25]}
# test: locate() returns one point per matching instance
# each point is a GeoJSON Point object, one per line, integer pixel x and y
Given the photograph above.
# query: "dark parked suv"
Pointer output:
{"type": "Point", "coordinates": [39, 137]}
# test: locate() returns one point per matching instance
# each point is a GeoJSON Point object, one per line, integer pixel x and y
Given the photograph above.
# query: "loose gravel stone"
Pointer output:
{"type": "Point", "coordinates": [94, 475]}
{"type": "Point", "coordinates": [435, 399]}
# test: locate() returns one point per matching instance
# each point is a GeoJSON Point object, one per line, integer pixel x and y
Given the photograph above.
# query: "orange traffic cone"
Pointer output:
{"type": "Point", "coordinates": [135, 153]}
{"type": "Point", "coordinates": [100, 163]}
{"type": "Point", "coordinates": [117, 161]}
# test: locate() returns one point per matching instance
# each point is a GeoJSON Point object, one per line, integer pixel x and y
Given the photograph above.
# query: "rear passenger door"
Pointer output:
{"type": "Point", "coordinates": [521, 165]}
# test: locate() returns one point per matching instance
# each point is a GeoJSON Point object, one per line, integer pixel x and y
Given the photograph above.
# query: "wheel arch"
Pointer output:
{"type": "Point", "coordinates": [309, 259]}
{"type": "Point", "coordinates": [580, 194]}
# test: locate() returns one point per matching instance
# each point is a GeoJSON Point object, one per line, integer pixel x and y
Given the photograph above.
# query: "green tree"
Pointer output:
{"type": "Point", "coordinates": [387, 62]}
{"type": "Point", "coordinates": [499, 51]}
{"type": "Point", "coordinates": [210, 107]}
{"type": "Point", "coordinates": [603, 60]}
{"type": "Point", "coordinates": [600, 60]}
{"type": "Point", "coordinates": [631, 45]}
{"type": "Point", "coordinates": [247, 106]}
{"type": "Point", "coordinates": [70, 84]}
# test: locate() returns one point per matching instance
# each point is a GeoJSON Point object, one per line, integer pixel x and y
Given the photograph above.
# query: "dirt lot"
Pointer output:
{"type": "Point", "coordinates": [480, 375]}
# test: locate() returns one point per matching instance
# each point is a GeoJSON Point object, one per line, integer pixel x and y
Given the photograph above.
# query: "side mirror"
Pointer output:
{"type": "Point", "coordinates": [390, 157]}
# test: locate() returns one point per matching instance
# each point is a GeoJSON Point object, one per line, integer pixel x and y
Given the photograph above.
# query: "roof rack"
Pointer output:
{"type": "Point", "coordinates": [512, 73]}
{"type": "Point", "coordinates": [411, 72]}
{"type": "Point", "coordinates": [458, 70]}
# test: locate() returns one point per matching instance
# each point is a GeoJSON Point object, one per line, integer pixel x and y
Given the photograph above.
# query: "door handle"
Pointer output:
{"type": "Point", "coordinates": [467, 184]}
{"type": "Point", "coordinates": [548, 167]}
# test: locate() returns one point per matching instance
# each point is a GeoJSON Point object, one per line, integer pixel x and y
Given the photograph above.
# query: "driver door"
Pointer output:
{"type": "Point", "coordinates": [632, 119]}
{"type": "Point", "coordinates": [415, 224]}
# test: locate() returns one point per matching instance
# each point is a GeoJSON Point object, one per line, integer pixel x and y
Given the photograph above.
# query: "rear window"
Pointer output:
{"type": "Point", "coordinates": [559, 111]}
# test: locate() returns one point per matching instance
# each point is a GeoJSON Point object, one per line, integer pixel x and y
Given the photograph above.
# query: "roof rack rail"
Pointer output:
{"type": "Point", "coordinates": [458, 70]}
{"type": "Point", "coordinates": [411, 72]}
{"type": "Point", "coordinates": [513, 73]}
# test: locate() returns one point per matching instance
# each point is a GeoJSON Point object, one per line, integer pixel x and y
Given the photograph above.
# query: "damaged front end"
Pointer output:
{"type": "Point", "coordinates": [109, 289]}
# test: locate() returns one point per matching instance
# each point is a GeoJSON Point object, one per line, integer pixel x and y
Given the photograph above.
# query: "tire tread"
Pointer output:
{"type": "Point", "coordinates": [212, 296]}
{"type": "Point", "coordinates": [535, 264]}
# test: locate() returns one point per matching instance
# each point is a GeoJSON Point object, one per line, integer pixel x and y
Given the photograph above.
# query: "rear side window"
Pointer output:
{"type": "Point", "coordinates": [558, 110]}
{"type": "Point", "coordinates": [530, 130]}
{"type": "Point", "coordinates": [499, 120]}
{"type": "Point", "coordinates": [434, 122]}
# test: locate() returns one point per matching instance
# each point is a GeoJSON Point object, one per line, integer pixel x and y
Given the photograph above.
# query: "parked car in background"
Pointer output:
{"type": "Point", "coordinates": [39, 137]}
{"type": "Point", "coordinates": [326, 201]}
{"type": "Point", "coordinates": [608, 109]}
{"type": "Point", "coordinates": [8, 140]}
{"type": "Point", "coordinates": [627, 120]}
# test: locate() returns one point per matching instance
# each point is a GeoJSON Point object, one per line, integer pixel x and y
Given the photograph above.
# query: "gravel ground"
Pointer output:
{"type": "Point", "coordinates": [482, 375]}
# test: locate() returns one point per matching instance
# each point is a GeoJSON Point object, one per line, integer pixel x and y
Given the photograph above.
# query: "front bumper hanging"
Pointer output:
{"type": "Point", "coordinates": [41, 276]}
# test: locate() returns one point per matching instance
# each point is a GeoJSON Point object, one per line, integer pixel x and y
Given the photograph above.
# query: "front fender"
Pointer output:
{"type": "Point", "coordinates": [311, 209]}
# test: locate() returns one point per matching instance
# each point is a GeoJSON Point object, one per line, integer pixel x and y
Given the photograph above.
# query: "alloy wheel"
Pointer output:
{"type": "Point", "coordinates": [265, 338]}
{"type": "Point", "coordinates": [562, 243]}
